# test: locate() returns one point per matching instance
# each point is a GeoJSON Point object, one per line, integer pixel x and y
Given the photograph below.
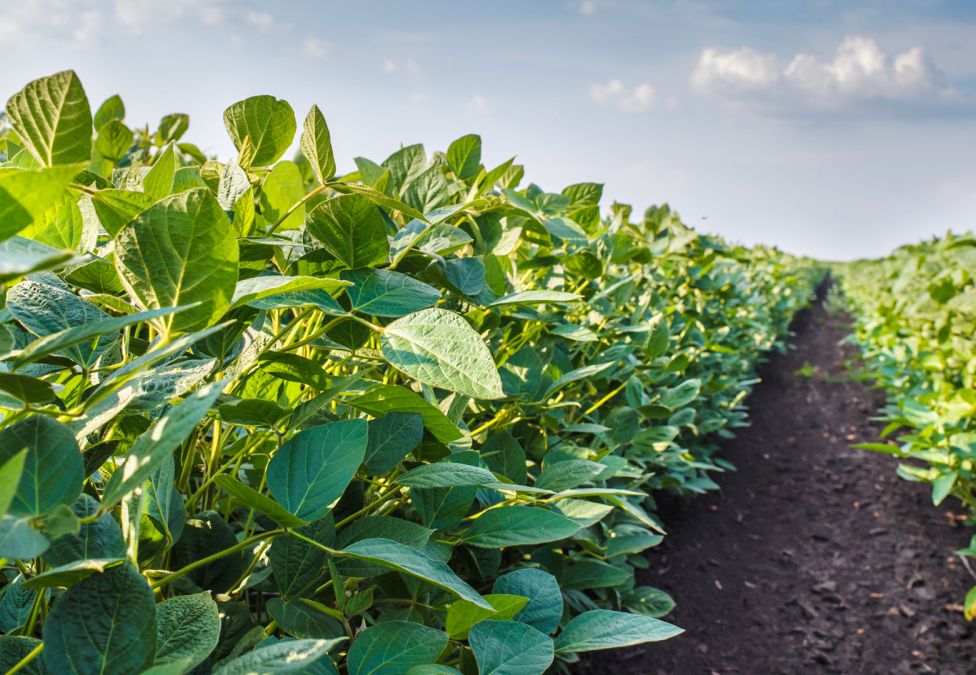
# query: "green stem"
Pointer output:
{"type": "Point", "coordinates": [34, 653]}
{"type": "Point", "coordinates": [220, 554]}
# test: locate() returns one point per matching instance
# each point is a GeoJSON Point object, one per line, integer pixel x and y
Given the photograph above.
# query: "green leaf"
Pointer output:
{"type": "Point", "coordinates": [446, 474]}
{"type": "Point", "coordinates": [114, 140]}
{"type": "Point", "coordinates": [20, 541]}
{"type": "Point", "coordinates": [180, 251]}
{"type": "Point", "coordinates": [316, 145]}
{"type": "Point", "coordinates": [266, 122]}
{"type": "Point", "coordinates": [281, 191]}
{"type": "Point", "coordinates": [387, 293]}
{"type": "Point", "coordinates": [392, 647]}
{"type": "Point", "coordinates": [297, 564]}
{"type": "Point", "coordinates": [941, 486]}
{"type": "Point", "coordinates": [27, 194]}
{"type": "Point", "coordinates": [105, 624]}
{"type": "Point", "coordinates": [378, 527]}
{"type": "Point", "coordinates": [158, 181]}
{"type": "Point", "coordinates": [464, 156]}
{"type": "Point", "coordinates": [29, 390]}
{"type": "Point", "coordinates": [545, 606]}
{"type": "Point", "coordinates": [187, 629]}
{"type": "Point", "coordinates": [462, 615]}
{"type": "Point", "coordinates": [52, 117]}
{"type": "Point", "coordinates": [403, 558]}
{"type": "Point", "coordinates": [606, 629]}
{"type": "Point", "coordinates": [439, 348]}
{"type": "Point", "coordinates": [10, 472]}
{"type": "Point", "coordinates": [518, 526]}
{"type": "Point", "coordinates": [157, 442]}
{"type": "Point", "coordinates": [287, 656]}
{"type": "Point", "coordinates": [535, 298]}
{"type": "Point", "coordinates": [313, 469]}
{"type": "Point", "coordinates": [71, 573]}
{"type": "Point", "coordinates": [53, 468]}
{"type": "Point", "coordinates": [256, 500]}
{"type": "Point", "coordinates": [380, 399]}
{"type": "Point", "coordinates": [67, 338]}
{"type": "Point", "coordinates": [377, 198]}
{"type": "Point", "coordinates": [117, 208]}
{"type": "Point", "coordinates": [258, 288]}
{"type": "Point", "coordinates": [391, 438]}
{"type": "Point", "coordinates": [14, 649]}
{"type": "Point", "coordinates": [20, 256]}
{"type": "Point", "coordinates": [98, 539]}
{"type": "Point", "coordinates": [649, 601]}
{"type": "Point", "coordinates": [305, 618]}
{"type": "Point", "coordinates": [510, 648]}
{"type": "Point", "coordinates": [351, 228]}
{"type": "Point", "coordinates": [111, 109]}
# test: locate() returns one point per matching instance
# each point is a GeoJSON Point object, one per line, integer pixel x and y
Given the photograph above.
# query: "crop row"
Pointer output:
{"type": "Point", "coordinates": [260, 417]}
{"type": "Point", "coordinates": [915, 316]}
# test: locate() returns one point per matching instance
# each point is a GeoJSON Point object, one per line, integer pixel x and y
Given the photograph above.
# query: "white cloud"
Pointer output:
{"type": "Point", "coordinates": [638, 98]}
{"type": "Point", "coordinates": [407, 67]}
{"type": "Point", "coordinates": [316, 49]}
{"type": "Point", "coordinates": [261, 20]}
{"type": "Point", "coordinates": [479, 103]}
{"type": "Point", "coordinates": [588, 7]}
{"type": "Point", "coordinates": [858, 71]}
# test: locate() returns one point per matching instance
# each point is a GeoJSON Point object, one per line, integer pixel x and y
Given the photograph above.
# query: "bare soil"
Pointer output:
{"type": "Point", "coordinates": [814, 557]}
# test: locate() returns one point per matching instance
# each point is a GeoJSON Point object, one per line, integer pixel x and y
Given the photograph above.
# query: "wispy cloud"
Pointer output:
{"type": "Point", "coordinates": [858, 72]}
{"type": "Point", "coordinates": [638, 98]}
{"type": "Point", "coordinates": [315, 48]}
{"type": "Point", "coordinates": [408, 67]}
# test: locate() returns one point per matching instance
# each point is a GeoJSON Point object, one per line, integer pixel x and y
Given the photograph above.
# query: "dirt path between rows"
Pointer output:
{"type": "Point", "coordinates": [814, 557]}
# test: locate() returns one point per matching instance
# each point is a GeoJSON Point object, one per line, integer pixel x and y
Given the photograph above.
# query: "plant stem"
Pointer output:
{"type": "Point", "coordinates": [27, 659]}
{"type": "Point", "coordinates": [239, 546]}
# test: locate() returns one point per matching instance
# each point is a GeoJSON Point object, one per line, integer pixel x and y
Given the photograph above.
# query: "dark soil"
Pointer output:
{"type": "Point", "coordinates": [813, 557]}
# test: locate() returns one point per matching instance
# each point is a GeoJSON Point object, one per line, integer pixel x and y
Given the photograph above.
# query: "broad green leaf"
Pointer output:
{"type": "Point", "coordinates": [98, 539]}
{"type": "Point", "coordinates": [20, 541]}
{"type": "Point", "coordinates": [313, 469]}
{"type": "Point", "coordinates": [316, 144]}
{"type": "Point", "coordinates": [941, 486]}
{"type": "Point", "coordinates": [391, 438]}
{"type": "Point", "coordinates": [606, 629]}
{"type": "Point", "coordinates": [545, 606]}
{"type": "Point", "coordinates": [380, 399]}
{"type": "Point", "coordinates": [377, 198]}
{"type": "Point", "coordinates": [53, 469]}
{"type": "Point", "coordinates": [10, 472]}
{"type": "Point", "coordinates": [44, 309]}
{"type": "Point", "coordinates": [462, 615]}
{"type": "Point", "coordinates": [268, 124]}
{"type": "Point", "coordinates": [297, 564]}
{"type": "Point", "coordinates": [172, 127]}
{"type": "Point", "coordinates": [446, 474]}
{"type": "Point", "coordinates": [387, 293]}
{"type": "Point", "coordinates": [392, 647]}
{"type": "Point", "coordinates": [256, 500]}
{"type": "Point", "coordinates": [29, 390]}
{"type": "Point", "coordinates": [254, 289]}
{"type": "Point", "coordinates": [518, 526]}
{"type": "Point", "coordinates": [649, 601]}
{"type": "Point", "coordinates": [105, 624]}
{"type": "Point", "coordinates": [71, 573]}
{"type": "Point", "coordinates": [180, 251]}
{"type": "Point", "coordinates": [158, 181]}
{"type": "Point", "coordinates": [160, 440]}
{"type": "Point", "coordinates": [403, 558]}
{"type": "Point", "coordinates": [187, 628]}
{"type": "Point", "coordinates": [510, 648]}
{"type": "Point", "coordinates": [464, 156]}
{"type": "Point", "coordinates": [20, 256]}
{"type": "Point", "coordinates": [15, 604]}
{"type": "Point", "coordinates": [117, 208]}
{"type": "Point", "coordinates": [26, 194]}
{"type": "Point", "coordinates": [14, 649]}
{"type": "Point", "coordinates": [52, 117]}
{"type": "Point", "coordinates": [305, 618]}
{"type": "Point", "coordinates": [535, 298]}
{"type": "Point", "coordinates": [67, 338]}
{"type": "Point", "coordinates": [439, 348]}
{"type": "Point", "coordinates": [286, 656]}
{"type": "Point", "coordinates": [351, 228]}
{"type": "Point", "coordinates": [111, 109]}
{"type": "Point", "coordinates": [378, 527]}
{"type": "Point", "coordinates": [281, 191]}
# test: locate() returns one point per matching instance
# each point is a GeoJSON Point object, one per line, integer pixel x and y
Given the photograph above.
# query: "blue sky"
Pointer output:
{"type": "Point", "coordinates": [835, 129]}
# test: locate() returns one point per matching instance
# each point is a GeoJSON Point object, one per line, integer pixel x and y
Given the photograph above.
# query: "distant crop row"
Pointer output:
{"type": "Point", "coordinates": [261, 417]}
{"type": "Point", "coordinates": [916, 324]}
